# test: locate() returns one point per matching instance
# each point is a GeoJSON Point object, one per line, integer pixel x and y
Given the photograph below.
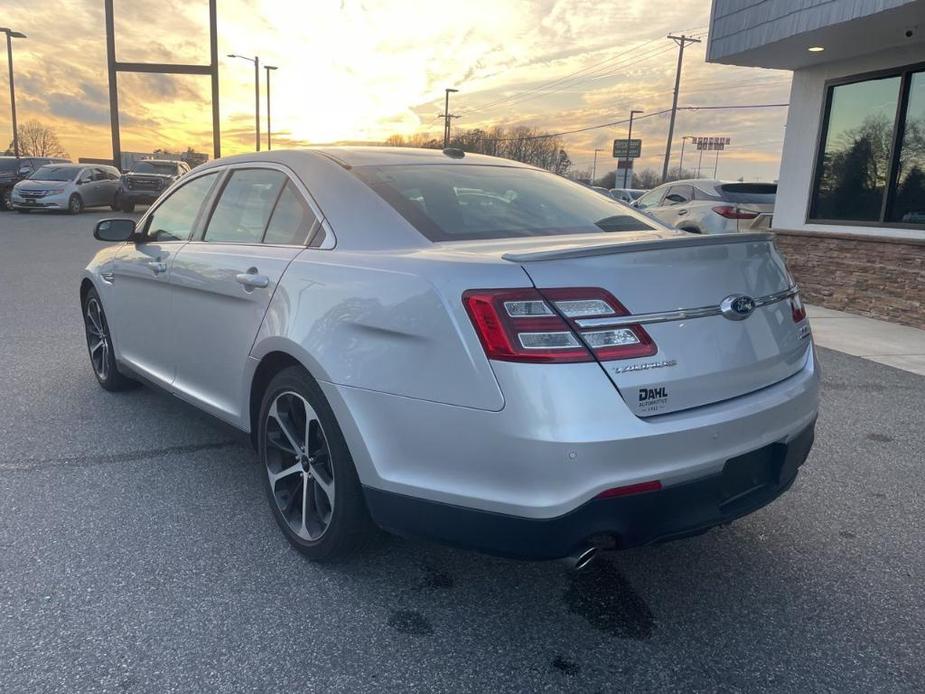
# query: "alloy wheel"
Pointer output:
{"type": "Point", "coordinates": [299, 466]}
{"type": "Point", "coordinates": [97, 338]}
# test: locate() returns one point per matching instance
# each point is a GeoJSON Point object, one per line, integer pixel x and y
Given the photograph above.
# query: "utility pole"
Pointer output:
{"type": "Point", "coordinates": [629, 136]}
{"type": "Point", "coordinates": [594, 166]}
{"type": "Point", "coordinates": [682, 41]}
{"type": "Point", "coordinates": [446, 115]}
{"type": "Point", "coordinates": [10, 35]}
{"type": "Point", "coordinates": [716, 163]}
{"type": "Point", "coordinates": [269, 125]}
{"type": "Point", "coordinates": [699, 162]}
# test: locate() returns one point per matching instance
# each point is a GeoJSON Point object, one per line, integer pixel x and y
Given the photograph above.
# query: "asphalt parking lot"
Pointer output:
{"type": "Point", "coordinates": [137, 552]}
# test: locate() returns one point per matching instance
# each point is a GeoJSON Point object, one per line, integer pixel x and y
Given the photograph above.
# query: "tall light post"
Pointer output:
{"type": "Point", "coordinates": [684, 139]}
{"type": "Point", "coordinates": [594, 166]}
{"type": "Point", "coordinates": [256, 61]}
{"type": "Point", "coordinates": [629, 136]}
{"type": "Point", "coordinates": [447, 116]}
{"type": "Point", "coordinates": [10, 35]}
{"type": "Point", "coordinates": [268, 68]}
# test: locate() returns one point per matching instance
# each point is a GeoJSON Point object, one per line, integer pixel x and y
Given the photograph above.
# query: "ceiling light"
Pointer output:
{"type": "Point", "coordinates": [816, 49]}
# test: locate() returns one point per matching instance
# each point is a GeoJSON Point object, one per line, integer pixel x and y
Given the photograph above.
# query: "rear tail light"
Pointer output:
{"type": "Point", "coordinates": [530, 325]}
{"type": "Point", "coordinates": [733, 212]}
{"type": "Point", "coordinates": [797, 310]}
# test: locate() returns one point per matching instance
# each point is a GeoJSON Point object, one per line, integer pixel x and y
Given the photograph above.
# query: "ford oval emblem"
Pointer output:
{"type": "Point", "coordinates": [737, 307]}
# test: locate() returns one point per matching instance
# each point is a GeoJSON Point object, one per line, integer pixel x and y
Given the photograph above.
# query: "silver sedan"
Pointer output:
{"type": "Point", "coordinates": [463, 348]}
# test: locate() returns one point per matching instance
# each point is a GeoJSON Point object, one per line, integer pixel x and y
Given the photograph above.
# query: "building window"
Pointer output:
{"type": "Point", "coordinates": [871, 164]}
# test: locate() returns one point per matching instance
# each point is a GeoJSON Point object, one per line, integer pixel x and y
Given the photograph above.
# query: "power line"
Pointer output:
{"type": "Point", "coordinates": [626, 120]}
{"type": "Point", "coordinates": [571, 77]}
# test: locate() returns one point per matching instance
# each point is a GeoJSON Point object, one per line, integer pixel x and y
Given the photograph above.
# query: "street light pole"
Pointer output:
{"type": "Point", "coordinates": [269, 124]}
{"type": "Point", "coordinates": [594, 166]}
{"type": "Point", "coordinates": [256, 61]}
{"type": "Point", "coordinates": [629, 136]}
{"type": "Point", "coordinates": [10, 35]}
{"type": "Point", "coordinates": [446, 117]}
{"type": "Point", "coordinates": [684, 139]}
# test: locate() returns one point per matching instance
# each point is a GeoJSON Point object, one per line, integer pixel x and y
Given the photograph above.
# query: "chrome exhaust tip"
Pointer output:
{"type": "Point", "coordinates": [581, 560]}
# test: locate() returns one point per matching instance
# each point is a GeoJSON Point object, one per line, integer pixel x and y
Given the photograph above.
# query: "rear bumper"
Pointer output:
{"type": "Point", "coordinates": [746, 483]}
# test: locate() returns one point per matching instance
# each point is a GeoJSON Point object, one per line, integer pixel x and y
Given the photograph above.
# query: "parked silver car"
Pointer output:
{"type": "Point", "coordinates": [461, 347]}
{"type": "Point", "coordinates": [705, 206]}
{"type": "Point", "coordinates": [69, 187]}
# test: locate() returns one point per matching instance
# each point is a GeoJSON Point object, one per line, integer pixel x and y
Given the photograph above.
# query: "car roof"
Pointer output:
{"type": "Point", "coordinates": [158, 161]}
{"type": "Point", "coordinates": [349, 157]}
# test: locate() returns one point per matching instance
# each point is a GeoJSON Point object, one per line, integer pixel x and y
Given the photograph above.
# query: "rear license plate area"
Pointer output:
{"type": "Point", "coordinates": [747, 474]}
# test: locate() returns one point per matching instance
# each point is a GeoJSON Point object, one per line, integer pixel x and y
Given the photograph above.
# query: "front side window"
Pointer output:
{"type": "Point", "coordinates": [174, 218]}
{"type": "Point", "coordinates": [461, 202]}
{"type": "Point", "coordinates": [855, 164]}
{"type": "Point", "coordinates": [909, 201]}
{"type": "Point", "coordinates": [244, 207]}
{"type": "Point", "coordinates": [679, 194]}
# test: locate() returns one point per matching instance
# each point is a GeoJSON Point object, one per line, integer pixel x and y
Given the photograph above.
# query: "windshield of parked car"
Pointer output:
{"type": "Point", "coordinates": [749, 192]}
{"type": "Point", "coordinates": [458, 202]}
{"type": "Point", "coordinates": [55, 173]}
{"type": "Point", "coordinates": [155, 168]}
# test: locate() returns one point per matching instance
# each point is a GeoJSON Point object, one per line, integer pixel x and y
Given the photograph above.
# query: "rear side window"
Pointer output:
{"type": "Point", "coordinates": [459, 202]}
{"type": "Point", "coordinates": [245, 206]}
{"type": "Point", "coordinates": [749, 192]}
{"type": "Point", "coordinates": [174, 218]}
{"type": "Point", "coordinates": [292, 219]}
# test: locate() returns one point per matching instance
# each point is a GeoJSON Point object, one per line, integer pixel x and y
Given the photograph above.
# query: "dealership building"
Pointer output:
{"type": "Point", "coordinates": [850, 210]}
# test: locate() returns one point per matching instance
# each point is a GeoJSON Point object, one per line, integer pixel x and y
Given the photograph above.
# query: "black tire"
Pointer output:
{"type": "Point", "coordinates": [127, 206]}
{"type": "Point", "coordinates": [115, 205]}
{"type": "Point", "coordinates": [102, 357]}
{"type": "Point", "coordinates": [349, 527]}
{"type": "Point", "coordinates": [75, 205]}
{"type": "Point", "coordinates": [6, 199]}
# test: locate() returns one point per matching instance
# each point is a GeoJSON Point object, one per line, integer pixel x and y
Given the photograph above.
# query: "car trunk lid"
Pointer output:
{"type": "Point", "coordinates": [675, 288]}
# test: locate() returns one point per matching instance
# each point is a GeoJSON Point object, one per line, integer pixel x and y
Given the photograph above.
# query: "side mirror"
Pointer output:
{"type": "Point", "coordinates": [114, 229]}
{"type": "Point", "coordinates": [25, 171]}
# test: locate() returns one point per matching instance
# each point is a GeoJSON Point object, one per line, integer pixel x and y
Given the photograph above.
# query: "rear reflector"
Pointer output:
{"type": "Point", "coordinates": [629, 489]}
{"type": "Point", "coordinates": [733, 212]}
{"type": "Point", "coordinates": [531, 325]}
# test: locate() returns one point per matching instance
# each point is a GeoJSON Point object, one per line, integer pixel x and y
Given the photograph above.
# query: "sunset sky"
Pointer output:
{"type": "Point", "coordinates": [361, 70]}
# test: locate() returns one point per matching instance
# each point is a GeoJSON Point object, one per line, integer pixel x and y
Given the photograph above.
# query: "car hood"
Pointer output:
{"type": "Point", "coordinates": [32, 184]}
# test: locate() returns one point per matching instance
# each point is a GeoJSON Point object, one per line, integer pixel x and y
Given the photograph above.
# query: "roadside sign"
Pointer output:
{"type": "Point", "coordinates": [627, 149]}
{"type": "Point", "coordinates": [625, 164]}
{"type": "Point", "coordinates": [711, 144]}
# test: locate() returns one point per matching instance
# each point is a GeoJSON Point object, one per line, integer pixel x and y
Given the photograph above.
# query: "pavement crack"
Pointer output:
{"type": "Point", "coordinates": [111, 458]}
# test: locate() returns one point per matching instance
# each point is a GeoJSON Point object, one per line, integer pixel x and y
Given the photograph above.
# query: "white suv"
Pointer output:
{"type": "Point", "coordinates": [705, 206]}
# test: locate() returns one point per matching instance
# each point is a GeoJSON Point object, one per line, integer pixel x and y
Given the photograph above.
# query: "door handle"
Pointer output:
{"type": "Point", "coordinates": [157, 266]}
{"type": "Point", "coordinates": [680, 212]}
{"type": "Point", "coordinates": [252, 280]}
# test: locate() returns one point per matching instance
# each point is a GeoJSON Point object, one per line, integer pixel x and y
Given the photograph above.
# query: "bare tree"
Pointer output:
{"type": "Point", "coordinates": [37, 140]}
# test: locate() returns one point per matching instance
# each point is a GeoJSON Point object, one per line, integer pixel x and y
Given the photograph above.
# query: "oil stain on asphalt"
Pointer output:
{"type": "Point", "coordinates": [410, 622]}
{"type": "Point", "coordinates": [603, 596]}
{"type": "Point", "coordinates": [566, 667]}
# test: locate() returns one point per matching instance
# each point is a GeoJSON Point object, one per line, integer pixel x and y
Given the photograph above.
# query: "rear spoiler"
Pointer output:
{"type": "Point", "coordinates": [685, 241]}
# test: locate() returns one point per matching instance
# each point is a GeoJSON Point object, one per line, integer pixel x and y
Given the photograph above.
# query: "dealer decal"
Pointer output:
{"type": "Point", "coordinates": [653, 399]}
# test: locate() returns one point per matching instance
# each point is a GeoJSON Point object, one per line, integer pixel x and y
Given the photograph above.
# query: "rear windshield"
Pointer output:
{"type": "Point", "coordinates": [150, 167]}
{"type": "Point", "coordinates": [55, 173]}
{"type": "Point", "coordinates": [459, 202]}
{"type": "Point", "coordinates": [749, 192]}
{"type": "Point", "coordinates": [8, 164]}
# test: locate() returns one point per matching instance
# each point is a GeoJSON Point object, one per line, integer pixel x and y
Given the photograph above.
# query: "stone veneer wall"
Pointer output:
{"type": "Point", "coordinates": [868, 275]}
